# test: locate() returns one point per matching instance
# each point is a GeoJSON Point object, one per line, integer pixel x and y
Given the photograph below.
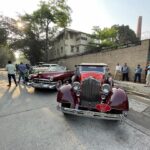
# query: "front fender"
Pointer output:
{"type": "Point", "coordinates": [119, 100]}
{"type": "Point", "coordinates": [66, 94]}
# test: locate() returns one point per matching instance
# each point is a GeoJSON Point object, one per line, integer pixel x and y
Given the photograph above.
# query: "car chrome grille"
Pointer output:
{"type": "Point", "coordinates": [90, 91]}
{"type": "Point", "coordinates": [44, 81]}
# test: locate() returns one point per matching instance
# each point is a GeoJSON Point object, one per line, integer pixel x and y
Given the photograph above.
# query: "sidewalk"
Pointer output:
{"type": "Point", "coordinates": [136, 88]}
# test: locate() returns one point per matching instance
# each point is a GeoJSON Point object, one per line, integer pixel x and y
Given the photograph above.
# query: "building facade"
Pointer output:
{"type": "Point", "coordinates": [69, 42]}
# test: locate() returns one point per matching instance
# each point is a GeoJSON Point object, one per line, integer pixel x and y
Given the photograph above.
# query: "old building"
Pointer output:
{"type": "Point", "coordinates": [69, 42]}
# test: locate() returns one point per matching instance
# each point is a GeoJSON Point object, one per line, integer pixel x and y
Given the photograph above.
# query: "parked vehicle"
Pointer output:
{"type": "Point", "coordinates": [92, 94]}
{"type": "Point", "coordinates": [49, 79]}
{"type": "Point", "coordinates": [43, 68]}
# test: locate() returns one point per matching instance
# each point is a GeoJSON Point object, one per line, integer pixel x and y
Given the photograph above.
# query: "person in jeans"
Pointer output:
{"type": "Point", "coordinates": [125, 71]}
{"type": "Point", "coordinates": [138, 71]}
{"type": "Point", "coordinates": [11, 72]}
{"type": "Point", "coordinates": [22, 71]}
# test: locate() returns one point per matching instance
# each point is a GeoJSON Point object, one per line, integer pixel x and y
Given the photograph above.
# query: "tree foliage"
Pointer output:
{"type": "Point", "coordinates": [5, 55]}
{"type": "Point", "coordinates": [3, 36]}
{"type": "Point", "coordinates": [5, 52]}
{"type": "Point", "coordinates": [41, 26]}
{"type": "Point", "coordinates": [125, 35]}
{"type": "Point", "coordinates": [114, 36]}
{"type": "Point", "coordinates": [106, 36]}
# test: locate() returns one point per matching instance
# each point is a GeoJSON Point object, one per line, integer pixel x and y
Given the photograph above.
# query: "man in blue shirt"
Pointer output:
{"type": "Point", "coordinates": [125, 71]}
{"type": "Point", "coordinates": [22, 70]}
{"type": "Point", "coordinates": [138, 71]}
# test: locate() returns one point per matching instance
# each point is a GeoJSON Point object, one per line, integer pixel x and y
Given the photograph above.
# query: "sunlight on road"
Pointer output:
{"type": "Point", "coordinates": [16, 93]}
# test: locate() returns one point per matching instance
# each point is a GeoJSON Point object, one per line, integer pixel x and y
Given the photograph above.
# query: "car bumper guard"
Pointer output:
{"type": "Point", "coordinates": [91, 114]}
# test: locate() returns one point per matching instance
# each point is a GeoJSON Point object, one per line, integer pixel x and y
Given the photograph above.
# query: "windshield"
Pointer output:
{"type": "Point", "coordinates": [48, 65]}
{"type": "Point", "coordinates": [92, 68]}
{"type": "Point", "coordinates": [57, 68]}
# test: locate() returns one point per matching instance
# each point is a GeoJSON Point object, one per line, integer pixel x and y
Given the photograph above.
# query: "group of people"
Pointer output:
{"type": "Point", "coordinates": [121, 73]}
{"type": "Point", "coordinates": [21, 69]}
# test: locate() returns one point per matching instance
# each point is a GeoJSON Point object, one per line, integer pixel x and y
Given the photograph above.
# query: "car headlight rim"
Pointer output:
{"type": "Point", "coordinates": [76, 87]}
{"type": "Point", "coordinates": [106, 88]}
{"type": "Point", "coordinates": [51, 78]}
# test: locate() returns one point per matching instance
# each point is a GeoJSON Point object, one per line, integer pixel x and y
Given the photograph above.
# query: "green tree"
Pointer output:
{"type": "Point", "coordinates": [125, 35]}
{"type": "Point", "coordinates": [44, 21]}
{"type": "Point", "coordinates": [3, 36]}
{"type": "Point", "coordinates": [106, 36]}
{"type": "Point", "coordinates": [5, 55]}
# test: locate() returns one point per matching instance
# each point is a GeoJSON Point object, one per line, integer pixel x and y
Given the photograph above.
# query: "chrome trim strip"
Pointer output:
{"type": "Point", "coordinates": [91, 114]}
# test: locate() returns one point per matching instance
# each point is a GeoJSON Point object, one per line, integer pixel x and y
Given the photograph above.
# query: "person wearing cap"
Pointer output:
{"type": "Point", "coordinates": [138, 71]}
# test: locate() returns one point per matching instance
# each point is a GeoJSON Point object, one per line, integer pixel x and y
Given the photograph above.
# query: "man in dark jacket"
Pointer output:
{"type": "Point", "coordinates": [22, 71]}
{"type": "Point", "coordinates": [125, 71]}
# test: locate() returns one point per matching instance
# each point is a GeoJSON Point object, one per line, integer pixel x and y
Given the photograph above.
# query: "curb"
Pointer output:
{"type": "Point", "coordinates": [129, 89]}
{"type": "Point", "coordinates": [138, 93]}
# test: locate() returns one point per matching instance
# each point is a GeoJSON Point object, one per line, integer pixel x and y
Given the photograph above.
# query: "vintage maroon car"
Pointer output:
{"type": "Point", "coordinates": [49, 79]}
{"type": "Point", "coordinates": [92, 94]}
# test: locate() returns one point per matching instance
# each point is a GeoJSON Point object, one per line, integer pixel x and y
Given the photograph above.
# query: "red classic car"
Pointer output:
{"type": "Point", "coordinates": [48, 79]}
{"type": "Point", "coordinates": [92, 94]}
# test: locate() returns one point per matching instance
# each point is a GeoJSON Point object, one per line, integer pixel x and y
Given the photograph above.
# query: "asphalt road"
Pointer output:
{"type": "Point", "coordinates": [29, 121]}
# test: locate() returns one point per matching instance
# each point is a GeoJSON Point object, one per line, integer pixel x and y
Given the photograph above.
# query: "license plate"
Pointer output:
{"type": "Point", "coordinates": [103, 107]}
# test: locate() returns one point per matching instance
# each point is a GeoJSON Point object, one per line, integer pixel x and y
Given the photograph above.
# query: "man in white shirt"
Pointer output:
{"type": "Point", "coordinates": [148, 76]}
{"type": "Point", "coordinates": [11, 72]}
{"type": "Point", "coordinates": [117, 75]}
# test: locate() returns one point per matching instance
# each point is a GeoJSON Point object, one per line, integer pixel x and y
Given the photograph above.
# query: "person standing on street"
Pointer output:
{"type": "Point", "coordinates": [138, 71]}
{"type": "Point", "coordinates": [125, 71]}
{"type": "Point", "coordinates": [148, 76]}
{"type": "Point", "coordinates": [22, 71]}
{"type": "Point", "coordinates": [11, 72]}
{"type": "Point", "coordinates": [117, 72]}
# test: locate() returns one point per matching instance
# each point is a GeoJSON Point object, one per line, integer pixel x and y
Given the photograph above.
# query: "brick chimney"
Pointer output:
{"type": "Point", "coordinates": [139, 27]}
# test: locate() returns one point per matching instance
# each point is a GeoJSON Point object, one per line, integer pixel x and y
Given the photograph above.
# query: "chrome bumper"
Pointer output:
{"type": "Point", "coordinates": [52, 85]}
{"type": "Point", "coordinates": [91, 114]}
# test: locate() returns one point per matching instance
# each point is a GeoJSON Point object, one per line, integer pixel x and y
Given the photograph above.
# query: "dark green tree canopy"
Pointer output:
{"type": "Point", "coordinates": [125, 35]}
{"type": "Point", "coordinates": [3, 36]}
{"type": "Point", "coordinates": [116, 35]}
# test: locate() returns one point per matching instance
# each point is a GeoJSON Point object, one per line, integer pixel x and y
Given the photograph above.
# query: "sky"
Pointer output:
{"type": "Point", "coordinates": [88, 13]}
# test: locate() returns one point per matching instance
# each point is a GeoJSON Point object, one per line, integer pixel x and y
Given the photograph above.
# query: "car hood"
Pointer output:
{"type": "Point", "coordinates": [95, 75]}
{"type": "Point", "coordinates": [49, 74]}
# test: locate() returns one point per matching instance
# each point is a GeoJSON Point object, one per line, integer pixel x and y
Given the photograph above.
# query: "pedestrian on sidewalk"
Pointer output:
{"type": "Point", "coordinates": [11, 72]}
{"type": "Point", "coordinates": [138, 71]}
{"type": "Point", "coordinates": [22, 71]}
{"type": "Point", "coordinates": [117, 75]}
{"type": "Point", "coordinates": [125, 71]}
{"type": "Point", "coordinates": [148, 76]}
{"type": "Point", "coordinates": [146, 70]}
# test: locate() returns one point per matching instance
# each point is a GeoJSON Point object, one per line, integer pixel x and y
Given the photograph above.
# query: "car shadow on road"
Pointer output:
{"type": "Point", "coordinates": [84, 122]}
{"type": "Point", "coordinates": [45, 91]}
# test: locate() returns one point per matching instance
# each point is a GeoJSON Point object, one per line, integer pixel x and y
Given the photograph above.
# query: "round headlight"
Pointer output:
{"type": "Point", "coordinates": [29, 77]}
{"type": "Point", "coordinates": [76, 86]}
{"type": "Point", "coordinates": [106, 88]}
{"type": "Point", "coordinates": [51, 78]}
